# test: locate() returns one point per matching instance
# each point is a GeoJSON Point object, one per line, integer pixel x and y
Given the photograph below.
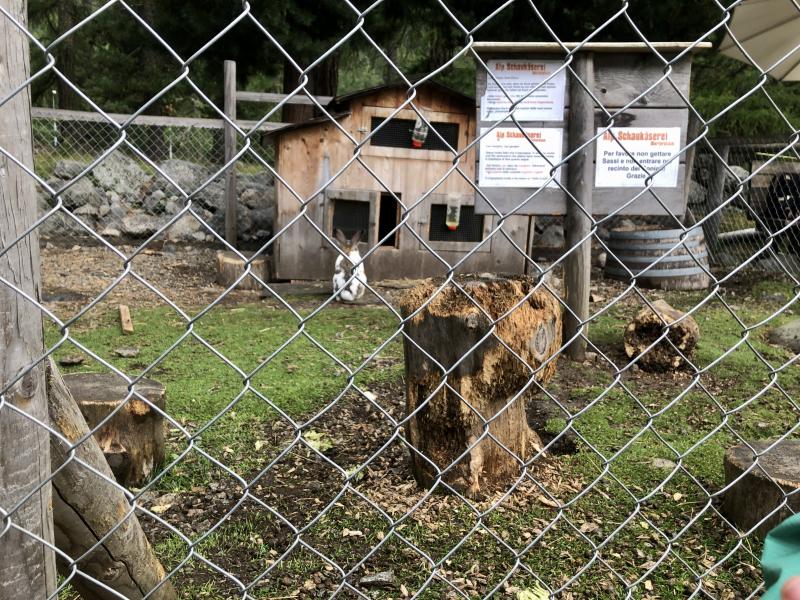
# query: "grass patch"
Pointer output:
{"type": "Point", "coordinates": [651, 455]}
{"type": "Point", "coordinates": [201, 385]}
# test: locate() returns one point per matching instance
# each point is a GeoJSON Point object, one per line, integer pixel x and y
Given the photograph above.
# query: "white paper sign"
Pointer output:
{"type": "Point", "coordinates": [518, 77]}
{"type": "Point", "coordinates": [507, 158]}
{"type": "Point", "coordinates": [651, 146]}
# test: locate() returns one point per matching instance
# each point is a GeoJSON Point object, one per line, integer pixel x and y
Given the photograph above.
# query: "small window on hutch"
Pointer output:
{"type": "Point", "coordinates": [351, 216]}
{"type": "Point", "coordinates": [397, 134]}
{"type": "Point", "coordinates": [469, 229]}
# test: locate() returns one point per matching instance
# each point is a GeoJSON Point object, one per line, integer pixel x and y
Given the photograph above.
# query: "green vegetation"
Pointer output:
{"type": "Point", "coordinates": [121, 65]}
{"type": "Point", "coordinates": [645, 521]}
{"type": "Point", "coordinates": [200, 384]}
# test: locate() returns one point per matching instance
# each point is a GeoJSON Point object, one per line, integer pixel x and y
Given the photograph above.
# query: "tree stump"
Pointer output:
{"type": "Point", "coordinates": [92, 516]}
{"type": "Point", "coordinates": [648, 326]}
{"type": "Point", "coordinates": [230, 267]}
{"type": "Point", "coordinates": [757, 494]}
{"type": "Point", "coordinates": [450, 329]}
{"type": "Point", "coordinates": [133, 439]}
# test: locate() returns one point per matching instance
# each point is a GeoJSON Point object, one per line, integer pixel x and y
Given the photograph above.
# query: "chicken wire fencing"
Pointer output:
{"type": "Point", "coordinates": [287, 470]}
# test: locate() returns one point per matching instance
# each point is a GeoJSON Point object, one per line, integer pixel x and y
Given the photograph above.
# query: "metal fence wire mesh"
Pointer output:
{"type": "Point", "coordinates": [287, 470]}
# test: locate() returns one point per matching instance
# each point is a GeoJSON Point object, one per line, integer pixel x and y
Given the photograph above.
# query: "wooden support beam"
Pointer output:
{"type": "Point", "coordinates": [231, 234]}
{"type": "Point", "coordinates": [692, 131]}
{"type": "Point", "coordinates": [57, 114]}
{"type": "Point", "coordinates": [716, 196]}
{"type": "Point", "coordinates": [580, 180]}
{"type": "Point", "coordinates": [27, 566]}
{"type": "Point", "coordinates": [269, 98]}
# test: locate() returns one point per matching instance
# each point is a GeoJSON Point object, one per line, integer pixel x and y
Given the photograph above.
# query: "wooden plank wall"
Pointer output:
{"type": "Point", "coordinates": [618, 80]}
{"type": "Point", "coordinates": [301, 253]}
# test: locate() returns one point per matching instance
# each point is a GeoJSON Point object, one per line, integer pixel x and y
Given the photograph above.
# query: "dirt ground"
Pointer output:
{"type": "Point", "coordinates": [74, 275]}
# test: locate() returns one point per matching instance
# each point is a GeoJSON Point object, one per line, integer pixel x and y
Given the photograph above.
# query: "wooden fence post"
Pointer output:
{"type": "Point", "coordinates": [716, 196]}
{"type": "Point", "coordinates": [27, 567]}
{"type": "Point", "coordinates": [580, 180]}
{"type": "Point", "coordinates": [231, 234]}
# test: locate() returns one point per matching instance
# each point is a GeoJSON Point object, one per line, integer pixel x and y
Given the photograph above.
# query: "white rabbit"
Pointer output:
{"type": "Point", "coordinates": [345, 288]}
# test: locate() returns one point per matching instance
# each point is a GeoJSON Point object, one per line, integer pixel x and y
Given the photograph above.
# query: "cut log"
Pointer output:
{"type": "Point", "coordinates": [486, 376]}
{"type": "Point", "coordinates": [752, 499]}
{"type": "Point", "coordinates": [647, 327]}
{"type": "Point", "coordinates": [87, 506]}
{"type": "Point", "coordinates": [230, 267]}
{"type": "Point", "coordinates": [133, 439]}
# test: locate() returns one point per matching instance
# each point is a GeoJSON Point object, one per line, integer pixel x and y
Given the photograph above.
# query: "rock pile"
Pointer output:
{"type": "Point", "coordinates": [122, 198]}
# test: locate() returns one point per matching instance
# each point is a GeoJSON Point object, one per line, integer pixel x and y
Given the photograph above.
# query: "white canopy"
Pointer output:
{"type": "Point", "coordinates": [769, 31]}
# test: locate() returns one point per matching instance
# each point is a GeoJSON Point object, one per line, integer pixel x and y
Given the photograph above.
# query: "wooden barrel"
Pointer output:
{"type": "Point", "coordinates": [680, 268]}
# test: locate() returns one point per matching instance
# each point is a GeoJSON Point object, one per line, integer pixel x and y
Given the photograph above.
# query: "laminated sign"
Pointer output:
{"type": "Point", "coordinates": [509, 158]}
{"type": "Point", "coordinates": [652, 147]}
{"type": "Point", "coordinates": [537, 81]}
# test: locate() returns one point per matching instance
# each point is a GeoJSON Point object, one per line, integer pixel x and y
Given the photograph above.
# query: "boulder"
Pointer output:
{"type": "Point", "coordinates": [259, 182]}
{"type": "Point", "coordinates": [120, 174]}
{"type": "Point", "coordinates": [87, 210]}
{"type": "Point", "coordinates": [262, 219]}
{"type": "Point", "coordinates": [252, 197]}
{"type": "Point", "coordinates": [60, 224]}
{"type": "Point", "coordinates": [732, 185]}
{"type": "Point", "coordinates": [698, 194]}
{"type": "Point", "coordinates": [110, 232]}
{"type": "Point", "coordinates": [787, 335]}
{"type": "Point", "coordinates": [185, 229]}
{"type": "Point", "coordinates": [139, 224]}
{"type": "Point", "coordinates": [154, 203]}
{"type": "Point", "coordinates": [79, 193]}
{"type": "Point", "coordinates": [212, 196]}
{"type": "Point", "coordinates": [731, 182]}
{"type": "Point", "coordinates": [68, 169]}
{"type": "Point", "coordinates": [172, 206]}
{"type": "Point", "coordinates": [188, 176]}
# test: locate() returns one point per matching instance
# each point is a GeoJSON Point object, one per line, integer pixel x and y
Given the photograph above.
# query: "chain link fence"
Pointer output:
{"type": "Point", "coordinates": [286, 468]}
{"type": "Point", "coordinates": [755, 200]}
{"type": "Point", "coordinates": [126, 196]}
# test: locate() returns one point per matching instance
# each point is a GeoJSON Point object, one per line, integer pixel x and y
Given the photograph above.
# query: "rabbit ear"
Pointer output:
{"type": "Point", "coordinates": [339, 235]}
{"type": "Point", "coordinates": [356, 238]}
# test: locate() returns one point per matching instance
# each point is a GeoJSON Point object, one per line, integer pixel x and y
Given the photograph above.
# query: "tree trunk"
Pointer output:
{"type": "Point", "coordinates": [648, 326]}
{"type": "Point", "coordinates": [443, 426]}
{"type": "Point", "coordinates": [27, 566]}
{"type": "Point", "coordinates": [749, 502]}
{"type": "Point", "coordinates": [87, 507]}
{"type": "Point", "coordinates": [133, 439]}
{"type": "Point", "coordinates": [323, 80]}
{"type": "Point", "coordinates": [65, 56]}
